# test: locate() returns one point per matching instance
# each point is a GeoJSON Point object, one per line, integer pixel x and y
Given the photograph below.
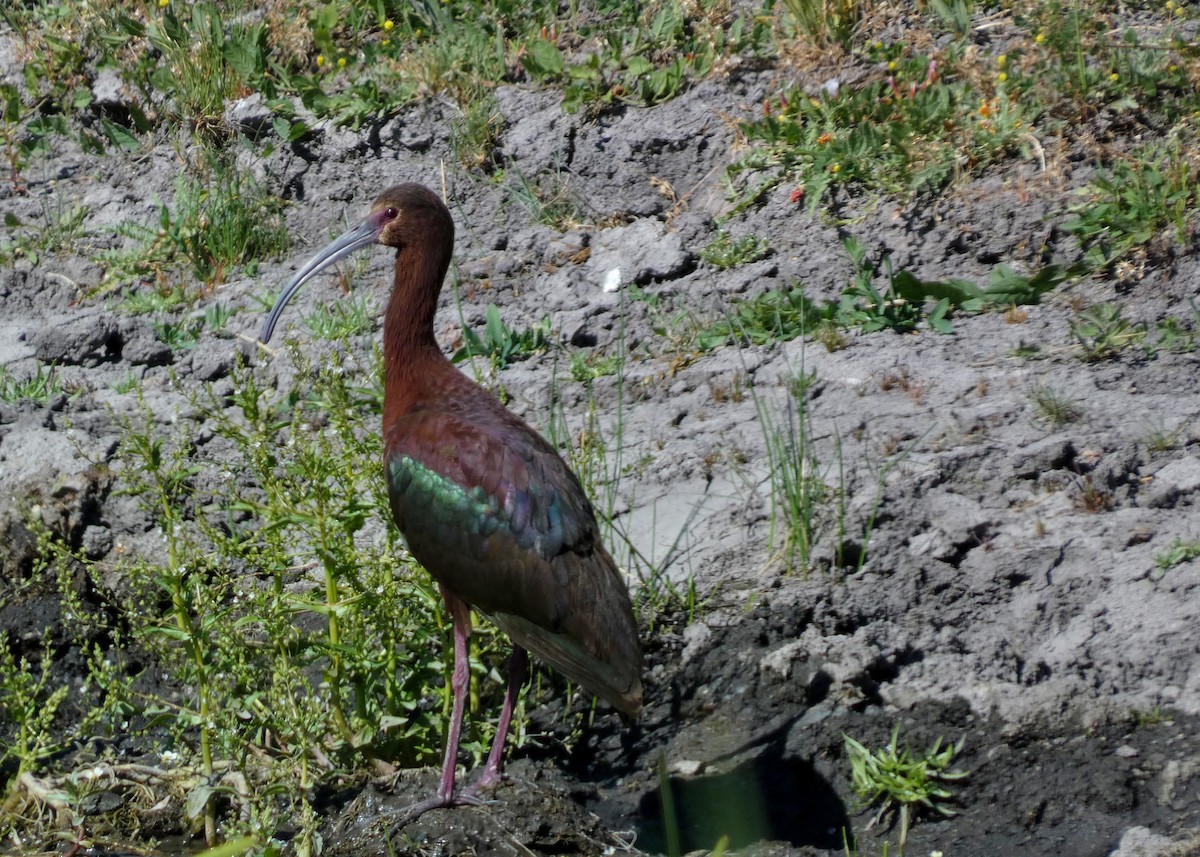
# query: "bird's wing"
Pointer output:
{"type": "Point", "coordinates": [496, 516]}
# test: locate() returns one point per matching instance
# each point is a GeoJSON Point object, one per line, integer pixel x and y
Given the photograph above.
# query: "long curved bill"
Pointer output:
{"type": "Point", "coordinates": [360, 236]}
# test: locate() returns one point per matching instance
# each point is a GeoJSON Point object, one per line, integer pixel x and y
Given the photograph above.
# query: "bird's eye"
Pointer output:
{"type": "Point", "coordinates": [391, 213]}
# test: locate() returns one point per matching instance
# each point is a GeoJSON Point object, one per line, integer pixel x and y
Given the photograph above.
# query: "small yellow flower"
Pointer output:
{"type": "Point", "coordinates": [1002, 60]}
{"type": "Point", "coordinates": [320, 60]}
{"type": "Point", "coordinates": [388, 24]}
{"type": "Point", "coordinates": [891, 65]}
{"type": "Point", "coordinates": [835, 168]}
{"type": "Point", "coordinates": [386, 42]}
{"type": "Point", "coordinates": [1114, 77]}
{"type": "Point", "coordinates": [1039, 38]}
{"type": "Point", "coordinates": [1170, 5]}
{"type": "Point", "coordinates": [163, 4]}
{"type": "Point", "coordinates": [341, 62]}
{"type": "Point", "coordinates": [1002, 76]}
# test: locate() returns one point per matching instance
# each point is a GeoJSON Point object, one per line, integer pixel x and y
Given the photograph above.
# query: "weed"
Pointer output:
{"type": "Point", "coordinates": [61, 226]}
{"type": "Point", "coordinates": [955, 14]}
{"type": "Point", "coordinates": [181, 335]}
{"type": "Point", "coordinates": [913, 131]}
{"type": "Point", "coordinates": [1093, 498]}
{"type": "Point", "coordinates": [900, 306]}
{"type": "Point", "coordinates": [1161, 439]}
{"type": "Point", "coordinates": [166, 298]}
{"type": "Point", "coordinates": [215, 223]}
{"type": "Point", "coordinates": [1128, 207]}
{"type": "Point", "coordinates": [40, 387]}
{"type": "Point", "coordinates": [128, 382]}
{"type": "Point", "coordinates": [902, 784]}
{"type": "Point", "coordinates": [587, 368]}
{"type": "Point", "coordinates": [826, 22]}
{"type": "Point", "coordinates": [726, 252]}
{"type": "Point", "coordinates": [29, 703]}
{"type": "Point", "coordinates": [547, 199]}
{"type": "Point", "coordinates": [779, 315]}
{"type": "Point", "coordinates": [341, 319]}
{"type": "Point", "coordinates": [217, 317]}
{"type": "Point", "coordinates": [797, 477]}
{"type": "Point", "coordinates": [644, 56]}
{"type": "Point", "coordinates": [474, 135]}
{"type": "Point", "coordinates": [1101, 332]}
{"type": "Point", "coordinates": [1175, 336]}
{"type": "Point", "coordinates": [862, 305]}
{"type": "Point", "coordinates": [1177, 553]}
{"type": "Point", "coordinates": [501, 344]}
{"type": "Point", "coordinates": [1054, 407]}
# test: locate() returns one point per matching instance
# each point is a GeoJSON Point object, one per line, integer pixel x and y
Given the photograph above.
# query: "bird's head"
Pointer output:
{"type": "Point", "coordinates": [402, 216]}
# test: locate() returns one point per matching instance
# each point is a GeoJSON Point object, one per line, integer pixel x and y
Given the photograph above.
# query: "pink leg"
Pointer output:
{"type": "Point", "coordinates": [460, 613]}
{"type": "Point", "coordinates": [518, 668]}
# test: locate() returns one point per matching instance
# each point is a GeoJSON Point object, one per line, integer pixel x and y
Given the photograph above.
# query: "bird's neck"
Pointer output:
{"type": "Point", "coordinates": [411, 356]}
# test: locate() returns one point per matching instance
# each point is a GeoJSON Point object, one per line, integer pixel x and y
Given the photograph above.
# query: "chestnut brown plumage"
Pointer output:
{"type": "Point", "coordinates": [485, 504]}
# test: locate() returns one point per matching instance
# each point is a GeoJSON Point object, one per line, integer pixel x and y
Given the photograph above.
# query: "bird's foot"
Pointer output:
{"type": "Point", "coordinates": [407, 816]}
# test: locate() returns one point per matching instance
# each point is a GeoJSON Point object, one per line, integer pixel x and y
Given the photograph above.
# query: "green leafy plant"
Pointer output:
{"type": "Point", "coordinates": [341, 319]}
{"type": "Point", "coordinates": [1131, 205]}
{"type": "Point", "coordinates": [825, 22]}
{"type": "Point", "coordinates": [900, 783]}
{"type": "Point", "coordinates": [1177, 553]}
{"type": "Point", "coordinates": [30, 703]}
{"type": "Point", "coordinates": [1101, 332]}
{"type": "Point", "coordinates": [911, 132]}
{"type": "Point", "coordinates": [500, 343]}
{"type": "Point", "coordinates": [646, 55]}
{"type": "Point", "coordinates": [955, 14]}
{"type": "Point", "coordinates": [41, 386]}
{"type": "Point", "coordinates": [900, 306]}
{"type": "Point", "coordinates": [326, 642]}
{"type": "Point", "coordinates": [216, 223]}
{"type": "Point", "coordinates": [181, 335]}
{"type": "Point", "coordinates": [724, 251]}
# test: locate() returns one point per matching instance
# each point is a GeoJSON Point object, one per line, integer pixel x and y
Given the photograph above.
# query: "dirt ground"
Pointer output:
{"type": "Point", "coordinates": [996, 605]}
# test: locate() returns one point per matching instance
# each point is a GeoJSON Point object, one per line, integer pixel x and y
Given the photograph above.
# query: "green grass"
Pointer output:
{"type": "Point", "coordinates": [901, 783]}
{"type": "Point", "coordinates": [1147, 200]}
{"type": "Point", "coordinates": [799, 494]}
{"type": "Point", "coordinates": [502, 344]}
{"type": "Point", "coordinates": [350, 316]}
{"type": "Point", "coordinates": [724, 251]}
{"type": "Point", "coordinates": [901, 303]}
{"type": "Point", "coordinates": [40, 386]}
{"type": "Point", "coordinates": [1054, 407]}
{"type": "Point", "coordinates": [917, 130]}
{"type": "Point", "coordinates": [824, 22]}
{"type": "Point", "coordinates": [217, 223]}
